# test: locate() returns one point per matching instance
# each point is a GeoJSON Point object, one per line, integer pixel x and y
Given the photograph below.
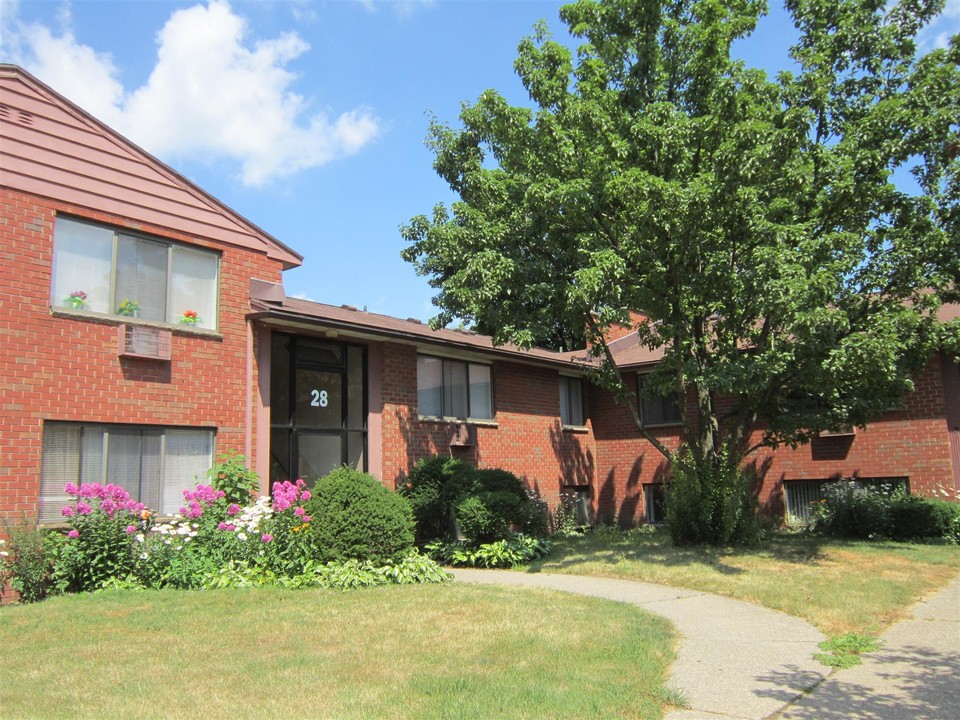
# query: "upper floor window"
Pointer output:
{"type": "Point", "coordinates": [110, 271]}
{"type": "Point", "coordinates": [453, 388]}
{"type": "Point", "coordinates": [571, 401]}
{"type": "Point", "coordinates": [663, 410]}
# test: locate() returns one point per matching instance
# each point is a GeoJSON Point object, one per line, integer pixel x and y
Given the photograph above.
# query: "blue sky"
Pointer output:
{"type": "Point", "coordinates": [307, 117]}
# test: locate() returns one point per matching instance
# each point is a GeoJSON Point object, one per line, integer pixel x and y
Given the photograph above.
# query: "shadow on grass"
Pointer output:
{"type": "Point", "coordinates": [608, 547]}
{"type": "Point", "coordinates": [905, 683]}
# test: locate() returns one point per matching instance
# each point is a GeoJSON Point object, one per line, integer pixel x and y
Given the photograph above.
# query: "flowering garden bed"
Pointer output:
{"type": "Point", "coordinates": [215, 542]}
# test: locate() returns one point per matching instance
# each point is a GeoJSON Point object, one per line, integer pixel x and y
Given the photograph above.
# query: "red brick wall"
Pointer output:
{"type": "Point", "coordinates": [525, 438]}
{"type": "Point", "coordinates": [912, 442]}
{"type": "Point", "coordinates": [55, 367]}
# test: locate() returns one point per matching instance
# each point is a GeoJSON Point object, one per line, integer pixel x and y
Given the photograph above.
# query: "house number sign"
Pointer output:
{"type": "Point", "coordinates": [318, 398]}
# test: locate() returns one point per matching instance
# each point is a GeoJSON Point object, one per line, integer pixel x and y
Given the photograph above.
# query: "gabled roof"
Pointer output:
{"type": "Point", "coordinates": [51, 148]}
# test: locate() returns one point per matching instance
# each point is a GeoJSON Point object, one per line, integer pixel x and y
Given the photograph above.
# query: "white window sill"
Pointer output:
{"type": "Point", "coordinates": [457, 421]}
{"type": "Point", "coordinates": [575, 428]}
{"type": "Point", "coordinates": [58, 311]}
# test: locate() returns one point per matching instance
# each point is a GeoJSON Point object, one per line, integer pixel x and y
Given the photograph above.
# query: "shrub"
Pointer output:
{"type": "Point", "coordinates": [26, 561]}
{"type": "Point", "coordinates": [565, 522]}
{"type": "Point", "coordinates": [849, 510]}
{"type": "Point", "coordinates": [356, 517]}
{"type": "Point", "coordinates": [478, 522]}
{"type": "Point", "coordinates": [921, 518]}
{"type": "Point", "coordinates": [504, 494]}
{"type": "Point", "coordinates": [708, 504]}
{"type": "Point", "coordinates": [231, 476]}
{"type": "Point", "coordinates": [485, 504]}
{"type": "Point", "coordinates": [98, 546]}
{"type": "Point", "coordinates": [434, 489]}
{"type": "Point", "coordinates": [537, 521]}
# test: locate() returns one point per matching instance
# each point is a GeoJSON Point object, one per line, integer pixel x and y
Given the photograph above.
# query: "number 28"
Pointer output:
{"type": "Point", "coordinates": [318, 398]}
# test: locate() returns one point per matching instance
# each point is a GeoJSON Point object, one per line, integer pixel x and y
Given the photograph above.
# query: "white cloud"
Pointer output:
{"type": "Point", "coordinates": [213, 92]}
{"type": "Point", "coordinates": [938, 33]}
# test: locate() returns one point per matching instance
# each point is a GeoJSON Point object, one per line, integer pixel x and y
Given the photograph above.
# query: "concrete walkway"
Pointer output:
{"type": "Point", "coordinates": [735, 660]}
{"type": "Point", "coordinates": [914, 676]}
{"type": "Point", "coordinates": [743, 661]}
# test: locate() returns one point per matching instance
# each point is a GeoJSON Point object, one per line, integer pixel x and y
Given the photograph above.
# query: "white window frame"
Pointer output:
{"type": "Point", "coordinates": [574, 387]}
{"type": "Point", "coordinates": [56, 472]}
{"type": "Point", "coordinates": [172, 315]}
{"type": "Point", "coordinates": [467, 365]}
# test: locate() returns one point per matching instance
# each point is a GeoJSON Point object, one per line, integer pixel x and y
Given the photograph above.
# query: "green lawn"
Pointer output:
{"type": "Point", "coordinates": [839, 586]}
{"type": "Point", "coordinates": [394, 652]}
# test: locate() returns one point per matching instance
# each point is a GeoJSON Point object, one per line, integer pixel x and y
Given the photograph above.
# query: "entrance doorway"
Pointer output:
{"type": "Point", "coordinates": [318, 407]}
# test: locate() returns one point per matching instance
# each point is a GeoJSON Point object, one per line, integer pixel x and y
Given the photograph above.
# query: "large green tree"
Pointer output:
{"type": "Point", "coordinates": [761, 224]}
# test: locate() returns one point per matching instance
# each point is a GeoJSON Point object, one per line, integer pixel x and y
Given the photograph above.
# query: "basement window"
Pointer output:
{"type": "Point", "coordinates": [115, 272]}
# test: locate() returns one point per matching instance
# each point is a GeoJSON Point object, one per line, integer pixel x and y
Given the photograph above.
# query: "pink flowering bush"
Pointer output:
{"type": "Point", "coordinates": [217, 541]}
{"type": "Point", "coordinates": [97, 547]}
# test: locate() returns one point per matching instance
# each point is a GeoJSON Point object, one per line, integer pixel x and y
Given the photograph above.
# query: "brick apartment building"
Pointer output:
{"type": "Point", "coordinates": [145, 330]}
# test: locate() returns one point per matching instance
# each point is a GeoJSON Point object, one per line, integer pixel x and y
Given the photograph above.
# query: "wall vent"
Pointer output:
{"type": "Point", "coordinates": [143, 341]}
{"type": "Point", "coordinates": [463, 435]}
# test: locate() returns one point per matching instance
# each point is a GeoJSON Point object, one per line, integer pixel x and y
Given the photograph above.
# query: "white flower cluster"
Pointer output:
{"type": "Point", "coordinates": [249, 518]}
{"type": "Point", "coordinates": [3, 553]}
{"type": "Point", "coordinates": [176, 531]}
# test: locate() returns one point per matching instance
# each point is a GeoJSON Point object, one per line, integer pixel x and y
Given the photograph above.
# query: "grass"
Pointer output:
{"type": "Point", "coordinates": [397, 652]}
{"type": "Point", "coordinates": [838, 586]}
{"type": "Point", "coordinates": [843, 651]}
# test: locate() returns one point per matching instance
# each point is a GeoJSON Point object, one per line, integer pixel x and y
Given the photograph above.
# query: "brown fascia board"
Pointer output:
{"type": "Point", "coordinates": [385, 327]}
{"type": "Point", "coordinates": [287, 255]}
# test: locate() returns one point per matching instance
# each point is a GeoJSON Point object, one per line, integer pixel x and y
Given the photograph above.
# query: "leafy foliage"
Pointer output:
{"type": "Point", "coordinates": [850, 509]}
{"type": "Point", "coordinates": [478, 522]}
{"type": "Point", "coordinates": [921, 518]}
{"type": "Point", "coordinates": [790, 283]}
{"type": "Point", "coordinates": [506, 553]}
{"type": "Point", "coordinates": [26, 562]}
{"type": "Point", "coordinates": [356, 518]}
{"type": "Point", "coordinates": [362, 536]}
{"type": "Point", "coordinates": [843, 651]}
{"type": "Point", "coordinates": [447, 493]}
{"type": "Point", "coordinates": [231, 475]}
{"type": "Point", "coordinates": [712, 508]}
{"type": "Point", "coordinates": [434, 488]}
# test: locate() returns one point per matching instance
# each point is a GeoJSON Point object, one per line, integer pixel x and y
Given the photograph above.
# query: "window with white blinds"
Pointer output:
{"type": "Point", "coordinates": [99, 269]}
{"type": "Point", "coordinates": [453, 389]}
{"type": "Point", "coordinates": [155, 465]}
{"type": "Point", "coordinates": [571, 401]}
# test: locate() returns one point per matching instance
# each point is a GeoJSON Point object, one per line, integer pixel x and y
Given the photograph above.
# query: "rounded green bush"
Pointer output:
{"type": "Point", "coordinates": [355, 517]}
{"type": "Point", "coordinates": [479, 523]}
{"type": "Point", "coordinates": [434, 488]}
{"type": "Point", "coordinates": [504, 494]}
{"type": "Point", "coordinates": [922, 518]}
